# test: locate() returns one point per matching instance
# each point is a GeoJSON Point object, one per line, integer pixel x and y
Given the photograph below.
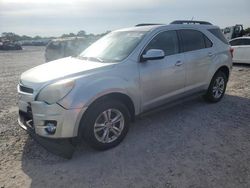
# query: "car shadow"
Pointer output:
{"type": "Point", "coordinates": [187, 144]}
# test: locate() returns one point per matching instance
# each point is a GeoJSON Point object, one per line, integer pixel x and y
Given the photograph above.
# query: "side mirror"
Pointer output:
{"type": "Point", "coordinates": [153, 54]}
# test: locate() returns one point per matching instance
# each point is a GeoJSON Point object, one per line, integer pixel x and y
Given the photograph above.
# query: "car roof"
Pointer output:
{"type": "Point", "coordinates": [140, 28]}
{"type": "Point", "coordinates": [169, 26]}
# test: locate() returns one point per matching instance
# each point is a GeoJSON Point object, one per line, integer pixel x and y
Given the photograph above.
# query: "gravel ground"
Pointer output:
{"type": "Point", "coordinates": [193, 144]}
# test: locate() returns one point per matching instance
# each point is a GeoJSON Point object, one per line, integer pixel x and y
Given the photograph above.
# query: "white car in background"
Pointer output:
{"type": "Point", "coordinates": [241, 48]}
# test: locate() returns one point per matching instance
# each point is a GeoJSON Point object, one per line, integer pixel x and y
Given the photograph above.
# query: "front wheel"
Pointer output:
{"type": "Point", "coordinates": [216, 88]}
{"type": "Point", "coordinates": [105, 124]}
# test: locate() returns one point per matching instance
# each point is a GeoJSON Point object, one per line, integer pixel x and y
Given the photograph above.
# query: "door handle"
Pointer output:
{"type": "Point", "coordinates": [178, 63]}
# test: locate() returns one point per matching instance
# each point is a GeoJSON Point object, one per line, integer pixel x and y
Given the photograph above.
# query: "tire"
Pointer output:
{"type": "Point", "coordinates": [102, 119]}
{"type": "Point", "coordinates": [216, 88]}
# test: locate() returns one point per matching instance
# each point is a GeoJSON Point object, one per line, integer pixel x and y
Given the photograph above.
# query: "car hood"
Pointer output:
{"type": "Point", "coordinates": [58, 69]}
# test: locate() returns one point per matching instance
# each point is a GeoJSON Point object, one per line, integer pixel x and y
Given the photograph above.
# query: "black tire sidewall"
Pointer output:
{"type": "Point", "coordinates": [209, 95]}
{"type": "Point", "coordinates": [88, 121]}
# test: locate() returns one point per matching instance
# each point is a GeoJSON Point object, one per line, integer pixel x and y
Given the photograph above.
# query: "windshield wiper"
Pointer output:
{"type": "Point", "coordinates": [91, 58]}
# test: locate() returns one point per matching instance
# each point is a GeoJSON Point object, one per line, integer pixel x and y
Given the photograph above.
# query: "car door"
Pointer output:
{"type": "Point", "coordinates": [237, 46]}
{"type": "Point", "coordinates": [246, 51]}
{"type": "Point", "coordinates": [160, 79]}
{"type": "Point", "coordinates": [241, 52]}
{"type": "Point", "coordinates": [197, 49]}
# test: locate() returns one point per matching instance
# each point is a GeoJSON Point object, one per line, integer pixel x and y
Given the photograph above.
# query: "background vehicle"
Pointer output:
{"type": "Point", "coordinates": [64, 47]}
{"type": "Point", "coordinates": [122, 75]}
{"type": "Point", "coordinates": [10, 45]}
{"type": "Point", "coordinates": [35, 42]}
{"type": "Point", "coordinates": [241, 48]}
{"type": "Point", "coordinates": [233, 31]}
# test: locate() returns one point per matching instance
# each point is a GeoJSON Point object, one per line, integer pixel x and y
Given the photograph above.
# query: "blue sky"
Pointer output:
{"type": "Point", "coordinates": [55, 17]}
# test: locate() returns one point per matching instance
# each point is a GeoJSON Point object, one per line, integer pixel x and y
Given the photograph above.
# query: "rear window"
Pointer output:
{"type": "Point", "coordinates": [236, 42]}
{"type": "Point", "coordinates": [192, 40]}
{"type": "Point", "coordinates": [240, 42]}
{"type": "Point", "coordinates": [218, 34]}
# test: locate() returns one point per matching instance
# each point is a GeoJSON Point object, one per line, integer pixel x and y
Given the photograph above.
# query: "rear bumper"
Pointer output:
{"type": "Point", "coordinates": [34, 117]}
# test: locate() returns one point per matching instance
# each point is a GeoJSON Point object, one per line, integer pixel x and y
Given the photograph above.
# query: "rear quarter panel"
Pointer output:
{"type": "Point", "coordinates": [221, 56]}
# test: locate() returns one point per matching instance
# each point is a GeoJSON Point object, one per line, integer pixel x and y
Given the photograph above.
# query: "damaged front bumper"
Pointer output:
{"type": "Point", "coordinates": [42, 117]}
{"type": "Point", "coordinates": [36, 116]}
{"type": "Point", "coordinates": [47, 120]}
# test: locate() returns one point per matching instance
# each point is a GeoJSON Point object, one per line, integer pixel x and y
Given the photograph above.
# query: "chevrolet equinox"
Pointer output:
{"type": "Point", "coordinates": [95, 95]}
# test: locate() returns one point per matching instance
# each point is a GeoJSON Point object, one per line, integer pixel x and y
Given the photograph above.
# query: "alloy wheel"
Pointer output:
{"type": "Point", "coordinates": [109, 125]}
{"type": "Point", "coordinates": [218, 87]}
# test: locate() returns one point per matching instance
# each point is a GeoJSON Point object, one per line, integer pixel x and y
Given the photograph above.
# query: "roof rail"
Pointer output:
{"type": "Point", "coordinates": [147, 24]}
{"type": "Point", "coordinates": [190, 22]}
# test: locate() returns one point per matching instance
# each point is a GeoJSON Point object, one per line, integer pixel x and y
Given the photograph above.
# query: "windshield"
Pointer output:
{"type": "Point", "coordinates": [113, 47]}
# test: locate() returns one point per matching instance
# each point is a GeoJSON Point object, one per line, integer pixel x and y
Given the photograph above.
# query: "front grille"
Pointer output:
{"type": "Point", "coordinates": [26, 89]}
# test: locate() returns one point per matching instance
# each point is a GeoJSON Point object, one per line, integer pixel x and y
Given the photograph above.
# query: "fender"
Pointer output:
{"type": "Point", "coordinates": [79, 98]}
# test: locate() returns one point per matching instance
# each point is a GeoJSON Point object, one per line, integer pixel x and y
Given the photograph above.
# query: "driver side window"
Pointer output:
{"type": "Point", "coordinates": [166, 41]}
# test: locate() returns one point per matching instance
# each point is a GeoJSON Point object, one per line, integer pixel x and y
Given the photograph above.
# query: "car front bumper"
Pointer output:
{"type": "Point", "coordinates": [35, 115]}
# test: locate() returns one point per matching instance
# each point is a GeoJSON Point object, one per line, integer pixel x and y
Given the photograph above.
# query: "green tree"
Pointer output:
{"type": "Point", "coordinates": [68, 35]}
{"type": "Point", "coordinates": [81, 33]}
{"type": "Point", "coordinates": [72, 35]}
{"type": "Point", "coordinates": [37, 37]}
{"type": "Point", "coordinates": [247, 30]}
{"type": "Point", "coordinates": [25, 37]}
{"type": "Point", "coordinates": [11, 36]}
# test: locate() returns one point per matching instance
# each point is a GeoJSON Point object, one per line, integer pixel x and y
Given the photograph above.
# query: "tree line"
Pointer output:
{"type": "Point", "coordinates": [15, 37]}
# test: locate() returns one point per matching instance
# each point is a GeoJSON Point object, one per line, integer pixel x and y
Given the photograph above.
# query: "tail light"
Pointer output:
{"type": "Point", "coordinates": [231, 51]}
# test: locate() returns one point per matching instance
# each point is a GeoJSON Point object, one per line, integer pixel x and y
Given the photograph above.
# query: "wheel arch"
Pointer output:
{"type": "Point", "coordinates": [209, 96]}
{"type": "Point", "coordinates": [125, 99]}
{"type": "Point", "coordinates": [225, 70]}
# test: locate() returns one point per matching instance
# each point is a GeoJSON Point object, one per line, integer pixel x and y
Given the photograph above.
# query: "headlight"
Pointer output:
{"type": "Point", "coordinates": [55, 92]}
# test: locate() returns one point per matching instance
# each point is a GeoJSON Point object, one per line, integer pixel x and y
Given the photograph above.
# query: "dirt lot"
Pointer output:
{"type": "Point", "coordinates": [193, 144]}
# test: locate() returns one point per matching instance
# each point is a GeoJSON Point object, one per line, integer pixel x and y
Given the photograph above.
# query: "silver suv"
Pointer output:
{"type": "Point", "coordinates": [124, 74]}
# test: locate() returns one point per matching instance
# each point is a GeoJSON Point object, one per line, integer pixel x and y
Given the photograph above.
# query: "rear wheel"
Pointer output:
{"type": "Point", "coordinates": [105, 124]}
{"type": "Point", "coordinates": [216, 88]}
